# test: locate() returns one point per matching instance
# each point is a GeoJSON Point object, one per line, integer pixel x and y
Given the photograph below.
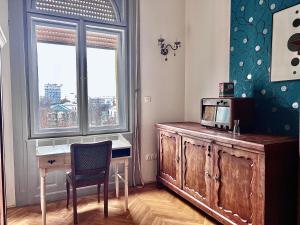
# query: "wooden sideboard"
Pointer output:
{"type": "Point", "coordinates": [245, 179]}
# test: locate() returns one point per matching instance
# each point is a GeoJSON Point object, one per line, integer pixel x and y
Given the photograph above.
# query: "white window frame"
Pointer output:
{"type": "Point", "coordinates": [122, 82]}
{"type": "Point", "coordinates": [82, 98]}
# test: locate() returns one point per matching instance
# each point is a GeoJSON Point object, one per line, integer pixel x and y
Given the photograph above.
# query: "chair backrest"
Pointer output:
{"type": "Point", "coordinates": [91, 158]}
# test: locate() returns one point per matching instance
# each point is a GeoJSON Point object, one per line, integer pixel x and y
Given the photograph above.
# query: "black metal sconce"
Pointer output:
{"type": "Point", "coordinates": [164, 48]}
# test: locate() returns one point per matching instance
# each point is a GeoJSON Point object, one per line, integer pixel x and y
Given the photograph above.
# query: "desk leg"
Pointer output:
{"type": "Point", "coordinates": [43, 194]}
{"type": "Point", "coordinates": [126, 184]}
{"type": "Point", "coordinates": [117, 179]}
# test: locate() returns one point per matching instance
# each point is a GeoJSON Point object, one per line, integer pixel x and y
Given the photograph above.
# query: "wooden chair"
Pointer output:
{"type": "Point", "coordinates": [90, 166]}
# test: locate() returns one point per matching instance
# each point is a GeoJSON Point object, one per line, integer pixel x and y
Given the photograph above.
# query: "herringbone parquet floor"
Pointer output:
{"type": "Point", "coordinates": [147, 206]}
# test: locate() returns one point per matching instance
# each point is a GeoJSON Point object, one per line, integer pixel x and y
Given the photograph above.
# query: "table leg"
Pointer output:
{"type": "Point", "coordinates": [43, 194]}
{"type": "Point", "coordinates": [126, 184]}
{"type": "Point", "coordinates": [117, 179]}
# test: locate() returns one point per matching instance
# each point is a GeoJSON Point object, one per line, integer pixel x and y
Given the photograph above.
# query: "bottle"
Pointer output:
{"type": "Point", "coordinates": [236, 127]}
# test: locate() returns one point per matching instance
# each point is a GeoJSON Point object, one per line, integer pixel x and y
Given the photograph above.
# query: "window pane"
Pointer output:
{"type": "Point", "coordinates": [57, 77]}
{"type": "Point", "coordinates": [102, 70]}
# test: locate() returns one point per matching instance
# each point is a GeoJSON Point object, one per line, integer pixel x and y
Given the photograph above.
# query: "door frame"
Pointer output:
{"type": "Point", "coordinates": [3, 214]}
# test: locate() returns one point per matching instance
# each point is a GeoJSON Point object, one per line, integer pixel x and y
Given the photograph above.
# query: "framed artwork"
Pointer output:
{"type": "Point", "coordinates": [286, 45]}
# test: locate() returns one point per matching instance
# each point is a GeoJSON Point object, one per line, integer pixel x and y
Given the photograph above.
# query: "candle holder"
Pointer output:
{"type": "Point", "coordinates": [165, 48]}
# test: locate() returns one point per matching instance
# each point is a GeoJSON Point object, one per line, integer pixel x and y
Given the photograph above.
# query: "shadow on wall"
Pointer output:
{"type": "Point", "coordinates": [250, 60]}
{"type": "Point", "coordinates": [273, 118]}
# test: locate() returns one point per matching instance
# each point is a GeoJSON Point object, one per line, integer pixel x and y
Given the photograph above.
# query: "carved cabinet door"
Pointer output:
{"type": "Point", "coordinates": [170, 157]}
{"type": "Point", "coordinates": [197, 168]}
{"type": "Point", "coordinates": [236, 185]}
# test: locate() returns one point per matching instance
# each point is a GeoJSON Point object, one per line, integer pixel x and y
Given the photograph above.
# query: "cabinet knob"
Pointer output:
{"type": "Point", "coordinates": [207, 174]}
{"type": "Point", "coordinates": [177, 159]}
{"type": "Point", "coordinates": [209, 148]}
{"type": "Point", "coordinates": [51, 161]}
{"type": "Point", "coordinates": [217, 177]}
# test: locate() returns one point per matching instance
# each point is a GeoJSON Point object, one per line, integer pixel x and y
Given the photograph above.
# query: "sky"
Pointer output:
{"type": "Point", "coordinates": [57, 64]}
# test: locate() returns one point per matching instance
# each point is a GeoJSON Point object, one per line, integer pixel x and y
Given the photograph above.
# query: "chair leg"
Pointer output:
{"type": "Point", "coordinates": [98, 192]}
{"type": "Point", "coordinates": [74, 204]}
{"type": "Point", "coordinates": [68, 192]}
{"type": "Point", "coordinates": [106, 198]}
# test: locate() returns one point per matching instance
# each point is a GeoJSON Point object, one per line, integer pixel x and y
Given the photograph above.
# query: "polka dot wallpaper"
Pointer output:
{"type": "Point", "coordinates": [277, 103]}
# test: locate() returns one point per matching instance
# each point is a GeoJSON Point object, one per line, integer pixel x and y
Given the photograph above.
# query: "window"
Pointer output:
{"type": "Point", "coordinates": [77, 71]}
{"type": "Point", "coordinates": [102, 96]}
{"type": "Point", "coordinates": [56, 103]}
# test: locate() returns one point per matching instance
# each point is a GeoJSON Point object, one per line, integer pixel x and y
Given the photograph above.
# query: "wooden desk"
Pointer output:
{"type": "Point", "coordinates": [58, 157]}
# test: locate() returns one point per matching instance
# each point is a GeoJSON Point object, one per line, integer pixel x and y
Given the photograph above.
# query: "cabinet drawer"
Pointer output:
{"type": "Point", "coordinates": [51, 161]}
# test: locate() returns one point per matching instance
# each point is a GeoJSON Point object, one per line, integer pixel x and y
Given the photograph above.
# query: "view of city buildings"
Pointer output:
{"type": "Point", "coordinates": [62, 112]}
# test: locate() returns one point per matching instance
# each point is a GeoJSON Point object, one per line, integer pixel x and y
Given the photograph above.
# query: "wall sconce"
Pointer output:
{"type": "Point", "coordinates": [164, 48]}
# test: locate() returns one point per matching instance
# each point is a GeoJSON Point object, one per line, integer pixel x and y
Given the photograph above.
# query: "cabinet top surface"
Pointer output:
{"type": "Point", "coordinates": [257, 141]}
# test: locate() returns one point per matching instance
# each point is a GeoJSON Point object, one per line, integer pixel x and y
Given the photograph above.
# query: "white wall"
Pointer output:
{"type": "Point", "coordinates": [207, 51]}
{"type": "Point", "coordinates": [7, 108]}
{"type": "Point", "coordinates": [177, 86]}
{"type": "Point", "coordinates": [163, 81]}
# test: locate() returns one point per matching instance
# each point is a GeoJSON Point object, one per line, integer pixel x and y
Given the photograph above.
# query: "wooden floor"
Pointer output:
{"type": "Point", "coordinates": [147, 206]}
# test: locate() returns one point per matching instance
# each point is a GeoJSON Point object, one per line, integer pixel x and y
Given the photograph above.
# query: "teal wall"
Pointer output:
{"type": "Point", "coordinates": [250, 60]}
